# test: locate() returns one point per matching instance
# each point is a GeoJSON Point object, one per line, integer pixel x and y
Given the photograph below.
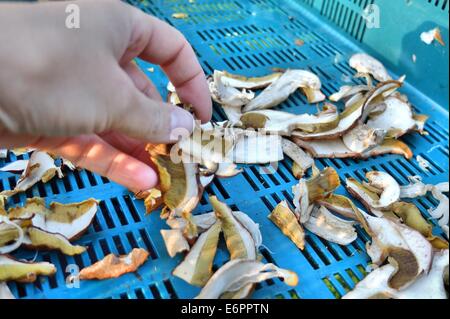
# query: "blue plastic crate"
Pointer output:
{"type": "Point", "coordinates": [250, 38]}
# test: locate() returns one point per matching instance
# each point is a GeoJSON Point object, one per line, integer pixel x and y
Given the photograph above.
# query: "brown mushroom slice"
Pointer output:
{"type": "Point", "coordinates": [228, 95]}
{"type": "Point", "coordinates": [347, 91]}
{"type": "Point", "coordinates": [257, 148]}
{"type": "Point", "coordinates": [249, 83]}
{"type": "Point", "coordinates": [41, 239]}
{"type": "Point", "coordinates": [12, 269]}
{"type": "Point", "coordinates": [238, 274]}
{"type": "Point", "coordinates": [17, 166]}
{"type": "Point", "coordinates": [5, 292]}
{"type": "Point", "coordinates": [362, 138]}
{"type": "Point", "coordinates": [284, 218]}
{"type": "Point", "coordinates": [153, 200]}
{"type": "Point", "coordinates": [373, 284]}
{"type": "Point", "coordinates": [303, 160]}
{"type": "Point", "coordinates": [365, 64]}
{"type": "Point", "coordinates": [239, 240]}
{"type": "Point", "coordinates": [283, 123]}
{"type": "Point", "coordinates": [329, 227]}
{"type": "Point", "coordinates": [196, 268]}
{"type": "Point", "coordinates": [113, 266]}
{"type": "Point", "coordinates": [283, 87]}
{"type": "Point", "coordinates": [41, 167]}
{"type": "Point", "coordinates": [175, 241]}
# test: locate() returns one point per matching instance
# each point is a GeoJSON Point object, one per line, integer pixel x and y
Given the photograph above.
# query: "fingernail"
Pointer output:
{"type": "Point", "coordinates": [182, 122]}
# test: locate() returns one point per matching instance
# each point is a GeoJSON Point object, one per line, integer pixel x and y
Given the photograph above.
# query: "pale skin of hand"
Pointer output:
{"type": "Point", "coordinates": [77, 93]}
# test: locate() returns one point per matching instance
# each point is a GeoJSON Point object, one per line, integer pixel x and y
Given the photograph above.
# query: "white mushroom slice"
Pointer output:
{"type": "Point", "coordinates": [416, 189]}
{"type": "Point", "coordinates": [233, 113]}
{"type": "Point", "coordinates": [175, 241]}
{"type": "Point", "coordinates": [41, 239]}
{"type": "Point", "coordinates": [227, 170]}
{"type": "Point", "coordinates": [303, 160]}
{"type": "Point", "coordinates": [390, 189]}
{"type": "Point", "coordinates": [251, 226]}
{"type": "Point", "coordinates": [348, 91]}
{"type": "Point", "coordinates": [5, 292]}
{"type": "Point", "coordinates": [239, 240]}
{"type": "Point", "coordinates": [228, 95]}
{"type": "Point", "coordinates": [397, 119]}
{"type": "Point", "coordinates": [442, 211]}
{"type": "Point", "coordinates": [326, 225]}
{"type": "Point", "coordinates": [196, 268]}
{"type": "Point", "coordinates": [41, 167]}
{"type": "Point", "coordinates": [238, 273]}
{"type": "Point", "coordinates": [17, 166]}
{"type": "Point", "coordinates": [429, 36]}
{"type": "Point", "coordinates": [282, 88]}
{"type": "Point", "coordinates": [14, 270]}
{"type": "Point", "coordinates": [249, 83]}
{"type": "Point", "coordinates": [374, 285]}
{"type": "Point", "coordinates": [206, 180]}
{"type": "Point", "coordinates": [365, 64]}
{"type": "Point", "coordinates": [256, 148]}
{"type": "Point", "coordinates": [363, 138]}
{"type": "Point", "coordinates": [3, 153]}
{"type": "Point", "coordinates": [203, 222]}
{"type": "Point", "coordinates": [6, 225]}
{"type": "Point", "coordinates": [283, 123]}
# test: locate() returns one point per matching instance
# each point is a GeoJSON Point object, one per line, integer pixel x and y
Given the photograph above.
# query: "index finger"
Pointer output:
{"type": "Point", "coordinates": [159, 43]}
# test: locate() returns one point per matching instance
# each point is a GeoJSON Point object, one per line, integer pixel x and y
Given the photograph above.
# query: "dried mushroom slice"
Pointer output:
{"type": "Point", "coordinates": [5, 292]}
{"type": "Point", "coordinates": [441, 212]}
{"type": "Point", "coordinates": [348, 91]}
{"type": "Point", "coordinates": [302, 159]}
{"type": "Point", "coordinates": [341, 205]}
{"type": "Point", "coordinates": [196, 268]}
{"type": "Point", "coordinates": [113, 266]}
{"type": "Point", "coordinates": [256, 148]}
{"type": "Point", "coordinates": [203, 222]}
{"type": "Point", "coordinates": [251, 226]}
{"type": "Point", "coordinates": [41, 167]}
{"type": "Point", "coordinates": [2, 205]}
{"type": "Point", "coordinates": [284, 218]}
{"type": "Point", "coordinates": [239, 240]}
{"type": "Point", "coordinates": [228, 95]}
{"type": "Point", "coordinates": [12, 269]}
{"type": "Point", "coordinates": [17, 166]}
{"type": "Point", "coordinates": [41, 239]}
{"type": "Point", "coordinates": [249, 83]}
{"type": "Point", "coordinates": [362, 138]}
{"type": "Point", "coordinates": [175, 241]}
{"type": "Point", "coordinates": [283, 123]}
{"type": "Point", "coordinates": [365, 64]}
{"type": "Point", "coordinates": [225, 170]}
{"type": "Point", "coordinates": [11, 235]}
{"type": "Point", "coordinates": [283, 87]}
{"type": "Point", "coordinates": [153, 200]}
{"type": "Point", "coordinates": [329, 227]}
{"type": "Point", "coordinates": [238, 274]}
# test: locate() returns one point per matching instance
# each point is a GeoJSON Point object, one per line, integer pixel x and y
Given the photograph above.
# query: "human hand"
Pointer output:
{"type": "Point", "coordinates": [77, 93]}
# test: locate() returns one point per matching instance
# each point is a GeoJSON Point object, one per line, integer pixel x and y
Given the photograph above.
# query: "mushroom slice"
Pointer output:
{"type": "Point", "coordinates": [203, 222]}
{"type": "Point", "coordinates": [175, 241]}
{"type": "Point", "coordinates": [227, 170]}
{"type": "Point", "coordinates": [441, 212]}
{"type": "Point", "coordinates": [341, 205]}
{"type": "Point", "coordinates": [303, 160]}
{"type": "Point", "coordinates": [397, 118]}
{"type": "Point", "coordinates": [249, 83]}
{"type": "Point", "coordinates": [257, 148]}
{"type": "Point", "coordinates": [283, 123]}
{"type": "Point", "coordinates": [3, 153]}
{"type": "Point", "coordinates": [11, 235]}
{"type": "Point", "coordinates": [2, 205]}
{"type": "Point", "coordinates": [5, 293]}
{"type": "Point", "coordinates": [69, 220]}
{"type": "Point", "coordinates": [239, 273]}
{"type": "Point", "coordinates": [113, 266]}
{"type": "Point", "coordinates": [283, 217]}
{"type": "Point", "coordinates": [196, 268]}
{"type": "Point", "coordinates": [41, 239]}
{"type": "Point", "coordinates": [348, 91]}
{"type": "Point", "coordinates": [363, 138]}
{"type": "Point", "coordinates": [41, 167]}
{"type": "Point", "coordinates": [416, 188]}
{"type": "Point", "coordinates": [153, 200]}
{"type": "Point", "coordinates": [357, 111]}
{"type": "Point", "coordinates": [251, 226]}
{"type": "Point", "coordinates": [239, 240]}
{"type": "Point", "coordinates": [326, 225]}
{"type": "Point", "coordinates": [283, 87]}
{"type": "Point", "coordinates": [17, 166]}
{"type": "Point", "coordinates": [12, 269]}
{"type": "Point", "coordinates": [365, 64]}
{"type": "Point", "coordinates": [228, 95]}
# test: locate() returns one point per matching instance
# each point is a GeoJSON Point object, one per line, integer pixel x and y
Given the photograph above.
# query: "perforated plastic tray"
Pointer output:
{"type": "Point", "coordinates": [245, 37]}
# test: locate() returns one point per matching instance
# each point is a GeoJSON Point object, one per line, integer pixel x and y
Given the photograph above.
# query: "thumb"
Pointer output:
{"type": "Point", "coordinates": [150, 120]}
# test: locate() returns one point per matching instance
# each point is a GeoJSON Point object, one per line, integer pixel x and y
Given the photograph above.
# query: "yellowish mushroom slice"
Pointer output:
{"type": "Point", "coordinates": [249, 83]}
{"type": "Point", "coordinates": [228, 95]}
{"type": "Point", "coordinates": [11, 235]}
{"type": "Point", "coordinates": [113, 266]}
{"type": "Point", "coordinates": [239, 240]}
{"type": "Point", "coordinates": [307, 192]}
{"type": "Point", "coordinates": [240, 273]}
{"type": "Point", "coordinates": [41, 167]}
{"type": "Point", "coordinates": [5, 292]}
{"type": "Point", "coordinates": [17, 166]}
{"type": "Point", "coordinates": [283, 123]}
{"type": "Point", "coordinates": [330, 227]}
{"type": "Point", "coordinates": [283, 87]}
{"type": "Point", "coordinates": [196, 268]}
{"type": "Point", "coordinates": [366, 64]}
{"type": "Point", "coordinates": [41, 239]}
{"type": "Point", "coordinates": [257, 148]}
{"type": "Point", "coordinates": [284, 218]}
{"type": "Point", "coordinates": [175, 241]}
{"type": "Point", "coordinates": [303, 160]}
{"type": "Point", "coordinates": [2, 205]}
{"type": "Point", "coordinates": [12, 269]}
{"type": "Point", "coordinates": [70, 220]}
{"type": "Point", "coordinates": [152, 200]}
